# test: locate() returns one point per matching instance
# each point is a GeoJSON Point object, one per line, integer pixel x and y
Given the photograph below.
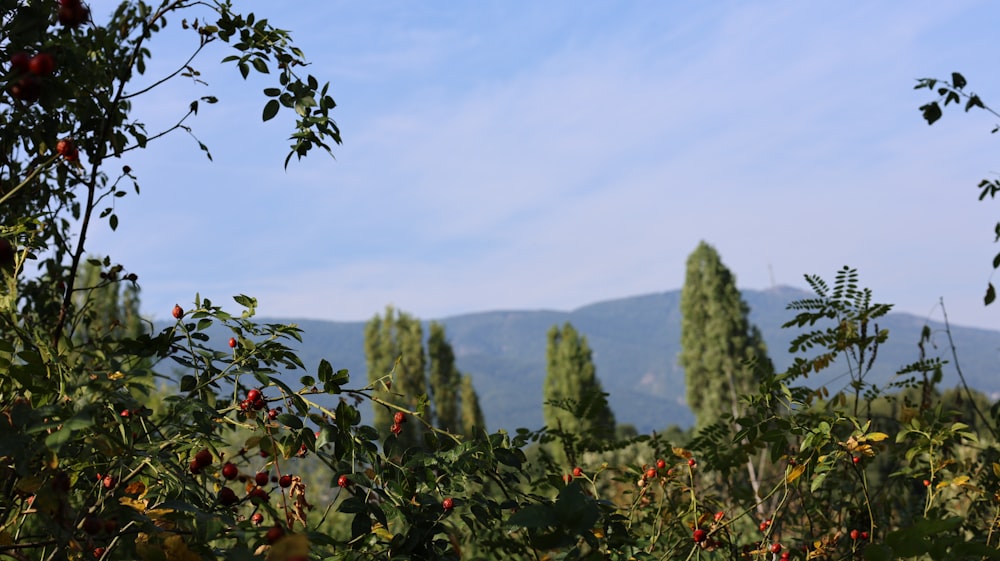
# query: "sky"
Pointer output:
{"type": "Point", "coordinates": [548, 155]}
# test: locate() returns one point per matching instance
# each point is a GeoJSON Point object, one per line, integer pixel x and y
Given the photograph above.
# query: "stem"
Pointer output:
{"type": "Point", "coordinates": [961, 376]}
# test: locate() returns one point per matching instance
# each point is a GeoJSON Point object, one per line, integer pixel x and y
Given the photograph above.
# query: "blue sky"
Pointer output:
{"type": "Point", "coordinates": [527, 155]}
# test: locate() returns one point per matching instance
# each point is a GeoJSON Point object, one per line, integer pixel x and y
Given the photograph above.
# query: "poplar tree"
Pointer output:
{"type": "Point", "coordinates": [394, 346]}
{"type": "Point", "coordinates": [473, 422]}
{"type": "Point", "coordinates": [722, 353]}
{"type": "Point", "coordinates": [575, 402]}
{"type": "Point", "coordinates": [444, 379]}
{"type": "Point", "coordinates": [106, 303]}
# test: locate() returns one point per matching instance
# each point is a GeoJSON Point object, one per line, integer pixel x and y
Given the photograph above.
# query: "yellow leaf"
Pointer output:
{"type": "Point", "coordinates": [177, 550]}
{"type": "Point", "coordinates": [116, 375]}
{"type": "Point", "coordinates": [795, 473]}
{"type": "Point", "coordinates": [380, 531]}
{"type": "Point", "coordinates": [877, 436]}
{"type": "Point", "coordinates": [682, 453]}
{"type": "Point", "coordinates": [996, 469]}
{"type": "Point", "coordinates": [960, 480]}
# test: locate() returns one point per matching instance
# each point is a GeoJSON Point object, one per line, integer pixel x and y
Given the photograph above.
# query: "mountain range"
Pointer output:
{"type": "Point", "coordinates": [635, 343]}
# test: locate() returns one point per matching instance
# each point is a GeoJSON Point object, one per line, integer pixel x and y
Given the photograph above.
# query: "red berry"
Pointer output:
{"type": "Point", "coordinates": [577, 472]}
{"type": "Point", "coordinates": [72, 14]}
{"type": "Point", "coordinates": [109, 482]}
{"type": "Point", "coordinates": [203, 458]}
{"type": "Point", "coordinates": [257, 495]}
{"type": "Point", "coordinates": [864, 535]}
{"type": "Point", "coordinates": [343, 482]}
{"type": "Point", "coordinates": [448, 504]}
{"type": "Point", "coordinates": [719, 516]}
{"type": "Point", "coordinates": [650, 473]}
{"type": "Point", "coordinates": [227, 497]}
{"type": "Point", "coordinates": [661, 463]}
{"type": "Point", "coordinates": [20, 62]}
{"type": "Point", "coordinates": [230, 471]}
{"type": "Point", "coordinates": [178, 311]}
{"type": "Point", "coordinates": [567, 478]}
{"type": "Point", "coordinates": [700, 535]}
{"type": "Point", "coordinates": [285, 481]}
{"type": "Point", "coordinates": [396, 429]}
{"type": "Point", "coordinates": [125, 413]}
{"type": "Point", "coordinates": [272, 414]}
{"type": "Point", "coordinates": [692, 463]}
{"type": "Point", "coordinates": [856, 459]}
{"type": "Point", "coordinates": [194, 467]}
{"type": "Point", "coordinates": [399, 418]}
{"type": "Point", "coordinates": [257, 519]}
{"type": "Point", "coordinates": [927, 483]}
{"type": "Point", "coordinates": [232, 342]}
{"type": "Point", "coordinates": [42, 64]}
{"type": "Point", "coordinates": [274, 533]}
{"type": "Point", "coordinates": [253, 395]}
{"type": "Point", "coordinates": [855, 534]}
{"type": "Point", "coordinates": [775, 548]}
{"type": "Point", "coordinates": [261, 478]}
{"type": "Point", "coordinates": [98, 551]}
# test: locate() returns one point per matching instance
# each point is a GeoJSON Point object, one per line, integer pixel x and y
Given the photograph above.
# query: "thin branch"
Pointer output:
{"type": "Point", "coordinates": [961, 376]}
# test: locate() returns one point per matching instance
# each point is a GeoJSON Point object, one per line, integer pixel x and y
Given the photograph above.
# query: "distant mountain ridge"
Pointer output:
{"type": "Point", "coordinates": [635, 342]}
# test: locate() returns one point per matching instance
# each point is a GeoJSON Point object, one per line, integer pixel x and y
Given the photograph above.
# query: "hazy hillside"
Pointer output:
{"type": "Point", "coordinates": [635, 341]}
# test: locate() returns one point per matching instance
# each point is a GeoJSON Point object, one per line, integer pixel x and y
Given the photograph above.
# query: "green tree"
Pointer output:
{"type": "Point", "coordinates": [575, 403]}
{"type": "Point", "coordinates": [473, 422]}
{"type": "Point", "coordinates": [444, 379]}
{"type": "Point", "coordinates": [394, 353]}
{"type": "Point", "coordinates": [722, 354]}
{"type": "Point", "coordinates": [106, 302]}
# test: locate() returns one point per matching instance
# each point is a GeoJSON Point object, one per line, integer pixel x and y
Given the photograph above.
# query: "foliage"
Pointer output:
{"type": "Point", "coordinates": [394, 351]}
{"type": "Point", "coordinates": [722, 354]}
{"type": "Point", "coordinates": [174, 445]}
{"type": "Point", "coordinates": [575, 405]}
{"type": "Point", "coordinates": [954, 91]}
{"type": "Point", "coordinates": [445, 380]}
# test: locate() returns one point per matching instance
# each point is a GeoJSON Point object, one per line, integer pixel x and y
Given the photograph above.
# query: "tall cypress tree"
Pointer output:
{"type": "Point", "coordinates": [394, 344]}
{"type": "Point", "coordinates": [575, 402]}
{"type": "Point", "coordinates": [444, 380]}
{"type": "Point", "coordinates": [721, 352]}
{"type": "Point", "coordinates": [473, 422]}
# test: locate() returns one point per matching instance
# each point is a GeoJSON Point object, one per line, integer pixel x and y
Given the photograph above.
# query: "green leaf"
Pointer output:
{"type": "Point", "coordinates": [290, 420]}
{"type": "Point", "coordinates": [878, 552]}
{"type": "Point", "coordinates": [991, 295]}
{"type": "Point", "coordinates": [931, 112]}
{"type": "Point", "coordinates": [958, 80]}
{"type": "Point", "coordinates": [271, 109]}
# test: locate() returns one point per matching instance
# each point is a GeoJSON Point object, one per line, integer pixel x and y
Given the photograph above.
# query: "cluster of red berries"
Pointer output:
{"type": "Point", "coordinates": [68, 150]}
{"type": "Point", "coordinates": [30, 70]}
{"type": "Point", "coordinates": [858, 535]}
{"type": "Point", "coordinates": [397, 423]}
{"type": "Point", "coordinates": [72, 13]}
{"type": "Point", "coordinates": [255, 401]}
{"type": "Point", "coordinates": [202, 459]}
